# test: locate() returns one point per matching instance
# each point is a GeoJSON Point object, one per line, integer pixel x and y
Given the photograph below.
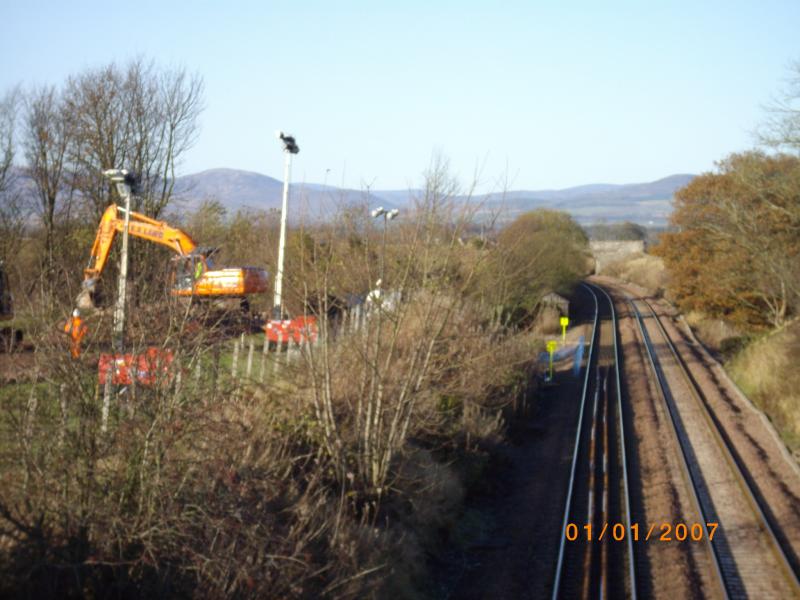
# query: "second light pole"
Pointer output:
{"type": "Point", "coordinates": [387, 215]}
{"type": "Point", "coordinates": [289, 147]}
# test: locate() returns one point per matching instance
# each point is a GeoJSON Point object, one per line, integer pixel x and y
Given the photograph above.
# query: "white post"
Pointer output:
{"type": "Point", "coordinates": [289, 147]}
{"type": "Point", "coordinates": [278, 348]}
{"type": "Point", "coordinates": [264, 351]}
{"type": "Point", "coordinates": [277, 301]}
{"type": "Point", "coordinates": [119, 310]}
{"type": "Point", "coordinates": [249, 369]}
{"type": "Point", "coordinates": [106, 399]}
{"type": "Point", "coordinates": [235, 359]}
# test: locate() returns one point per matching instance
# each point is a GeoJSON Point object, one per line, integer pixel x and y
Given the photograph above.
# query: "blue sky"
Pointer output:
{"type": "Point", "coordinates": [550, 94]}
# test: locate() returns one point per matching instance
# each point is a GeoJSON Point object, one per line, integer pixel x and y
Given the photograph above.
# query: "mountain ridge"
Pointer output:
{"type": "Point", "coordinates": [645, 202]}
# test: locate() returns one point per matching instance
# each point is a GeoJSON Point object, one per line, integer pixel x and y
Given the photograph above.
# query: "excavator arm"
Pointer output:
{"type": "Point", "coordinates": [199, 282]}
{"type": "Point", "coordinates": [139, 226]}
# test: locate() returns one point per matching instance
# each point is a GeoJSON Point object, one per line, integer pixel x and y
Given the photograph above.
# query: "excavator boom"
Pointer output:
{"type": "Point", "coordinates": [194, 277]}
{"type": "Point", "coordinates": [139, 226]}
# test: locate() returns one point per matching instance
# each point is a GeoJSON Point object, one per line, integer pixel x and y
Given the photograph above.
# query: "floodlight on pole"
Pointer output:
{"type": "Point", "coordinates": [289, 147]}
{"type": "Point", "coordinates": [387, 215]}
{"type": "Point", "coordinates": [123, 181]}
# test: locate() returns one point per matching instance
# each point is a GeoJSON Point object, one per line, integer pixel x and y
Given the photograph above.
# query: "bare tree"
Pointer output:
{"type": "Point", "coordinates": [137, 117]}
{"type": "Point", "coordinates": [12, 219]}
{"type": "Point", "coordinates": [781, 129]}
{"type": "Point", "coordinates": [45, 139]}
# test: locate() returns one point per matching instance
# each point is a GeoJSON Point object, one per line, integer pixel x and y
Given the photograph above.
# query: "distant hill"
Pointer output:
{"type": "Point", "coordinates": [236, 190]}
{"type": "Point", "coordinates": [644, 203]}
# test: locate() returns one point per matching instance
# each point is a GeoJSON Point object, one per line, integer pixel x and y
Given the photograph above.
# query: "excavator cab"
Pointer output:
{"type": "Point", "coordinates": [190, 269]}
{"type": "Point", "coordinates": [184, 273]}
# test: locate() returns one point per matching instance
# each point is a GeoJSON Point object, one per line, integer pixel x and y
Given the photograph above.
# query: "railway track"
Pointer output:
{"type": "Point", "coordinates": [592, 562]}
{"type": "Point", "coordinates": [746, 555]}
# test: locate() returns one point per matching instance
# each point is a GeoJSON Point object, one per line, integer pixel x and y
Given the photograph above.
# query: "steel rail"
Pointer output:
{"type": "Point", "coordinates": [733, 464]}
{"type": "Point", "coordinates": [685, 469]}
{"type": "Point", "coordinates": [562, 545]}
{"type": "Point", "coordinates": [623, 446]}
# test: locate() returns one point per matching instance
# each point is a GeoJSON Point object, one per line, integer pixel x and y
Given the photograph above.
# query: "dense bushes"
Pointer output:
{"type": "Point", "coordinates": [333, 478]}
{"type": "Point", "coordinates": [541, 251]}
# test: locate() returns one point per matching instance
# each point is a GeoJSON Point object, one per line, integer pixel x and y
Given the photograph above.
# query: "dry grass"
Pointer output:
{"type": "Point", "coordinates": [644, 270]}
{"type": "Point", "coordinates": [548, 322]}
{"type": "Point", "coordinates": [183, 497]}
{"type": "Point", "coordinates": [767, 372]}
{"type": "Point", "coordinates": [716, 334]}
{"type": "Point", "coordinates": [198, 492]}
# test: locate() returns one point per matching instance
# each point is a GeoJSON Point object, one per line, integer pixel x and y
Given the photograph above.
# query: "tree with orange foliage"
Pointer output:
{"type": "Point", "coordinates": [736, 251]}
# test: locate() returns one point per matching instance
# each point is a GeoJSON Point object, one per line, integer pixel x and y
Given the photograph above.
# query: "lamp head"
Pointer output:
{"type": "Point", "coordinates": [116, 175]}
{"type": "Point", "coordinates": [289, 143]}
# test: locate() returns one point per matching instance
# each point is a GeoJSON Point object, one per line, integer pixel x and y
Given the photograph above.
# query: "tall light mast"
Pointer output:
{"type": "Point", "coordinates": [290, 147]}
{"type": "Point", "coordinates": [123, 180]}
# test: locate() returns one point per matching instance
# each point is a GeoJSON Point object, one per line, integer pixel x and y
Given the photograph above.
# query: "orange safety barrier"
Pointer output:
{"type": "Point", "coordinates": [298, 330]}
{"type": "Point", "coordinates": [148, 367]}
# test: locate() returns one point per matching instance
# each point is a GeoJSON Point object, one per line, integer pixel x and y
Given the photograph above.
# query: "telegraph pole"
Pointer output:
{"type": "Point", "coordinates": [289, 147]}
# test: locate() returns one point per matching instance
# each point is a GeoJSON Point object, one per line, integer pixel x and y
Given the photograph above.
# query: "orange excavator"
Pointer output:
{"type": "Point", "coordinates": [195, 276]}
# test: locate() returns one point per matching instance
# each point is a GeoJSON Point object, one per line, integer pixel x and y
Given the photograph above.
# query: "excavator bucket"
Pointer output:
{"type": "Point", "coordinates": [84, 300]}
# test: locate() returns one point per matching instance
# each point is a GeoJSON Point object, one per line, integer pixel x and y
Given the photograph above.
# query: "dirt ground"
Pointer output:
{"type": "Point", "coordinates": [17, 366]}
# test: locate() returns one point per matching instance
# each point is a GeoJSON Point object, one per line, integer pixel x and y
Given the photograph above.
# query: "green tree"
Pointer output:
{"type": "Point", "coordinates": [541, 251]}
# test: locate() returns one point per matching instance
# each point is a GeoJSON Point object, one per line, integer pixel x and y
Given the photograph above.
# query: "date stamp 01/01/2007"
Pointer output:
{"type": "Point", "coordinates": [662, 532]}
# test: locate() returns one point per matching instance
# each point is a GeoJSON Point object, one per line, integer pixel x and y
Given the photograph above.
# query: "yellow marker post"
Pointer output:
{"type": "Point", "coordinates": [551, 348]}
{"type": "Point", "coordinates": [564, 322]}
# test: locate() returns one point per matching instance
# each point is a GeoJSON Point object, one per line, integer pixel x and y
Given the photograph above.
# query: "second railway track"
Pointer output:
{"type": "Point", "coordinates": [748, 559]}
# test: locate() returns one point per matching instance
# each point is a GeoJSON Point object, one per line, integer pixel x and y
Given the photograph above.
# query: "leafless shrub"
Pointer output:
{"type": "Point", "coordinates": [330, 478]}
